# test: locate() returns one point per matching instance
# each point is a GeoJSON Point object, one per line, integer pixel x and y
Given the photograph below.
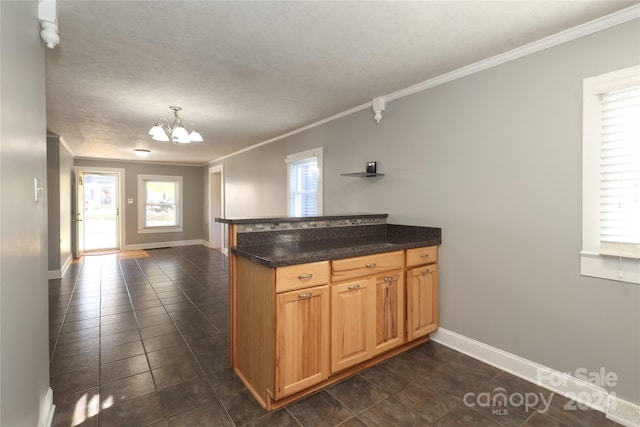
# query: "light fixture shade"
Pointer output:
{"type": "Point", "coordinates": [180, 135]}
{"type": "Point", "coordinates": [140, 152]}
{"type": "Point", "coordinates": [155, 130]}
{"type": "Point", "coordinates": [163, 131]}
{"type": "Point", "coordinates": [195, 136]}
{"type": "Point", "coordinates": [160, 136]}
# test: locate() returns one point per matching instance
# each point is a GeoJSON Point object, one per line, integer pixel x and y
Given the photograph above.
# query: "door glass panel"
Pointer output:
{"type": "Point", "coordinates": [100, 212]}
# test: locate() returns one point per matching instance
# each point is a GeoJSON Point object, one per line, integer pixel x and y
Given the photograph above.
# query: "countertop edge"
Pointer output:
{"type": "Point", "coordinates": [269, 220]}
{"type": "Point", "coordinates": [330, 255]}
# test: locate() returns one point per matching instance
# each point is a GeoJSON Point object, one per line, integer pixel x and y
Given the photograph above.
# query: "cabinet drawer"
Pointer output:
{"type": "Point", "coordinates": [424, 255]}
{"type": "Point", "coordinates": [350, 268]}
{"type": "Point", "coordinates": [302, 276]}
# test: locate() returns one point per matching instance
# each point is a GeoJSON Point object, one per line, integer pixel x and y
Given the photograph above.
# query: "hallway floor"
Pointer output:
{"type": "Point", "coordinates": [142, 341]}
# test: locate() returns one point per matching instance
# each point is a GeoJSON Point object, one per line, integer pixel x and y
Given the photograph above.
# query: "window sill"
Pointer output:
{"type": "Point", "coordinates": [154, 230]}
{"type": "Point", "coordinates": [612, 268]}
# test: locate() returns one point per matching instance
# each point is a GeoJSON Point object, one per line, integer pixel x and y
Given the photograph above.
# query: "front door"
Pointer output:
{"type": "Point", "coordinates": [77, 215]}
{"type": "Point", "coordinates": [97, 211]}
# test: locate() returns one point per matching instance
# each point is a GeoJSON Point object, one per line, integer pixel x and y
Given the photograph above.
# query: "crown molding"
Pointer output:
{"type": "Point", "coordinates": [571, 34]}
{"type": "Point", "coordinates": [574, 33]}
{"type": "Point", "coordinates": [140, 162]}
{"type": "Point", "coordinates": [65, 145]}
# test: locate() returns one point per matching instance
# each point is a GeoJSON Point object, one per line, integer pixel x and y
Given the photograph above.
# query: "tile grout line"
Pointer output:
{"type": "Point", "coordinates": [189, 346]}
{"type": "Point", "coordinates": [66, 312]}
{"type": "Point", "coordinates": [187, 343]}
{"type": "Point", "coordinates": [99, 414]}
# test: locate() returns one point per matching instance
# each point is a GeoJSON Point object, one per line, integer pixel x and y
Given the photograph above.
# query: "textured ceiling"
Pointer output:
{"type": "Point", "coordinates": [246, 72]}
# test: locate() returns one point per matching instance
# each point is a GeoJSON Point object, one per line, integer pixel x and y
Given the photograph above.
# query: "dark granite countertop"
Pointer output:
{"type": "Point", "coordinates": [266, 220]}
{"type": "Point", "coordinates": [301, 252]}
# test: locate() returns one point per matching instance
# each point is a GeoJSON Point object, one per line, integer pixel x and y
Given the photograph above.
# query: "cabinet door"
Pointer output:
{"type": "Point", "coordinates": [422, 301]}
{"type": "Point", "coordinates": [389, 308]}
{"type": "Point", "coordinates": [352, 318]}
{"type": "Point", "coordinates": [302, 339]}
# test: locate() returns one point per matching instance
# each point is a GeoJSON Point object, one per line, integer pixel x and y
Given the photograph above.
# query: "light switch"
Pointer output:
{"type": "Point", "coordinates": [129, 201]}
{"type": "Point", "coordinates": [37, 189]}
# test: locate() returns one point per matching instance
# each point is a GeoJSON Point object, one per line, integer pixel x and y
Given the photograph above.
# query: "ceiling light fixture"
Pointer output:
{"type": "Point", "coordinates": [140, 152]}
{"type": "Point", "coordinates": [378, 104]}
{"type": "Point", "coordinates": [161, 131]}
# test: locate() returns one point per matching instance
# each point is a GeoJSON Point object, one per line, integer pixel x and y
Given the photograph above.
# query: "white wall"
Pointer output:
{"type": "Point", "coordinates": [24, 368]}
{"type": "Point", "coordinates": [192, 198]}
{"type": "Point", "coordinates": [65, 206]}
{"type": "Point", "coordinates": [53, 209]}
{"type": "Point", "coordinates": [495, 160]}
{"type": "Point", "coordinates": [59, 170]}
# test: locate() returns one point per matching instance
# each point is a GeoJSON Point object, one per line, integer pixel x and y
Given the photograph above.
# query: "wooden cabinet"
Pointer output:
{"type": "Point", "coordinates": [351, 268]}
{"type": "Point", "coordinates": [299, 328]}
{"type": "Point", "coordinates": [389, 312]}
{"type": "Point", "coordinates": [352, 317]}
{"type": "Point", "coordinates": [302, 276]}
{"type": "Point", "coordinates": [302, 339]}
{"type": "Point", "coordinates": [422, 301]}
{"type": "Point", "coordinates": [367, 318]}
{"type": "Point", "coordinates": [421, 256]}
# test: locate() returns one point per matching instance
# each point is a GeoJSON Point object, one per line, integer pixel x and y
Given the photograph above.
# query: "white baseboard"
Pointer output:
{"type": "Point", "coordinates": [66, 265]}
{"type": "Point", "coordinates": [59, 274]}
{"type": "Point", "coordinates": [54, 274]}
{"type": "Point", "coordinates": [623, 412]}
{"type": "Point", "coordinates": [47, 410]}
{"type": "Point", "coordinates": [206, 243]}
{"type": "Point", "coordinates": [156, 245]}
{"type": "Point", "coordinates": [581, 391]}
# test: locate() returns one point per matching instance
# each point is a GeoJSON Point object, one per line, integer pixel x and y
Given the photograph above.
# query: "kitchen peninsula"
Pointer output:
{"type": "Point", "coordinates": [313, 300]}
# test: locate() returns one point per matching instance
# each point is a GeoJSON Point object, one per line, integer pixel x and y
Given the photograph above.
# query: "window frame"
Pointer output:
{"type": "Point", "coordinates": [592, 263]}
{"type": "Point", "coordinates": [304, 155]}
{"type": "Point", "coordinates": [142, 202]}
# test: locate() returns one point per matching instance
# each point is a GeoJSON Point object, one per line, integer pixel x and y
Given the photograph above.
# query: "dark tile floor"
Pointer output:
{"type": "Point", "coordinates": [142, 342]}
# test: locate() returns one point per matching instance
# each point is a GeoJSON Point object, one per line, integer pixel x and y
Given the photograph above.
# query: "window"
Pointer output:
{"type": "Point", "coordinates": [160, 204]}
{"type": "Point", "coordinates": [304, 183]}
{"type": "Point", "coordinates": [611, 176]}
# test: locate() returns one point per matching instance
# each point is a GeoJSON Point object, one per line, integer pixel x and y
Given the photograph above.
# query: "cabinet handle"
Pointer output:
{"type": "Point", "coordinates": [304, 296]}
{"type": "Point", "coordinates": [388, 279]}
{"type": "Point", "coordinates": [370, 265]}
{"type": "Point", "coordinates": [424, 255]}
{"type": "Point", "coordinates": [351, 287]}
{"type": "Point", "coordinates": [425, 271]}
{"type": "Point", "coordinates": [305, 276]}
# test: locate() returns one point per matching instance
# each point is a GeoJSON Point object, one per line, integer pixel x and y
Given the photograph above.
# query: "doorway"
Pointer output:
{"type": "Point", "coordinates": [98, 205]}
{"type": "Point", "coordinates": [217, 231]}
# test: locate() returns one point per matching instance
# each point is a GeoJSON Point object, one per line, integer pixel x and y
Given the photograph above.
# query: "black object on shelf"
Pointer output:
{"type": "Point", "coordinates": [369, 172]}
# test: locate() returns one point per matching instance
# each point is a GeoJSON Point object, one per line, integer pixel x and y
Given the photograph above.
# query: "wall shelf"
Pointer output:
{"type": "Point", "coordinates": [370, 171]}
{"type": "Point", "coordinates": [362, 174]}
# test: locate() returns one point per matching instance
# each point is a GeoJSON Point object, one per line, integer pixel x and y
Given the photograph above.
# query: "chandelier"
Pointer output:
{"type": "Point", "coordinates": [161, 131]}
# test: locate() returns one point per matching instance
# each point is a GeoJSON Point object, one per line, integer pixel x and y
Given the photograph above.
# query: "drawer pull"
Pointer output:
{"type": "Point", "coordinates": [424, 255]}
{"type": "Point", "coordinates": [425, 271]}
{"type": "Point", "coordinates": [305, 276]}
{"type": "Point", "coordinates": [388, 279]}
{"type": "Point", "coordinates": [351, 287]}
{"type": "Point", "coordinates": [304, 296]}
{"type": "Point", "coordinates": [370, 265]}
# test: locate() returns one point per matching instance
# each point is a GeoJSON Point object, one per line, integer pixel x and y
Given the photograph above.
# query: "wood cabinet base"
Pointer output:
{"type": "Point", "coordinates": [272, 404]}
{"type": "Point", "coordinates": [292, 331]}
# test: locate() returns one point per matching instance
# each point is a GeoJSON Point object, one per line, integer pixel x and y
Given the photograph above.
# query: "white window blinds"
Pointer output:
{"type": "Point", "coordinates": [620, 172]}
{"type": "Point", "coordinates": [304, 191]}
